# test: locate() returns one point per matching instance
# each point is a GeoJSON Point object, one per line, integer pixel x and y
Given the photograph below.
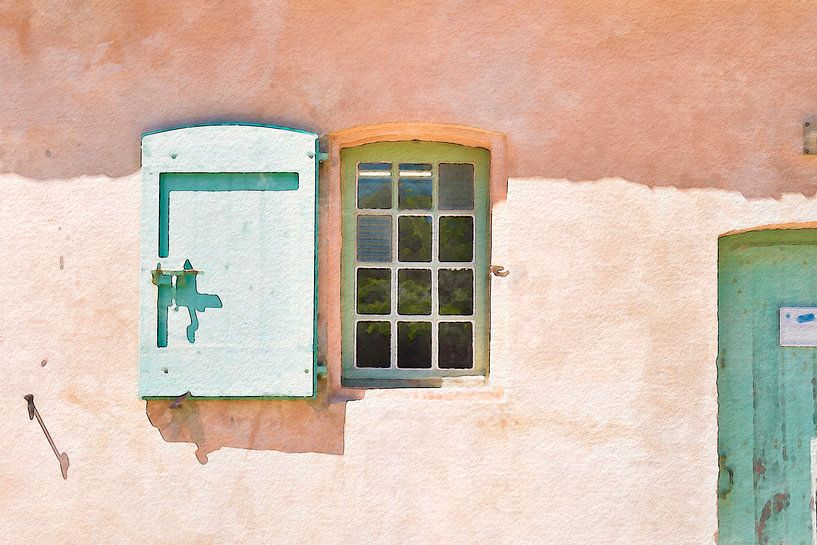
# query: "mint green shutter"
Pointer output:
{"type": "Point", "coordinates": [227, 275]}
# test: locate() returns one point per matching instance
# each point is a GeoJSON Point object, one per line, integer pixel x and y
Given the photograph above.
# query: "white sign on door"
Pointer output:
{"type": "Point", "coordinates": [798, 326]}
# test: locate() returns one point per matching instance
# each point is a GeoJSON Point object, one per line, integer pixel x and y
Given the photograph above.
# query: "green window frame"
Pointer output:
{"type": "Point", "coordinates": [414, 288]}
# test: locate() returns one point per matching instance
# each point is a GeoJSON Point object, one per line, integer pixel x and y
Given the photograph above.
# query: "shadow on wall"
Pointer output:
{"type": "Point", "coordinates": [81, 85]}
{"type": "Point", "coordinates": [312, 425]}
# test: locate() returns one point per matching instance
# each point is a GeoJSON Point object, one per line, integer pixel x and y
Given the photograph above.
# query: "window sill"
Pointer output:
{"type": "Point", "coordinates": [467, 388]}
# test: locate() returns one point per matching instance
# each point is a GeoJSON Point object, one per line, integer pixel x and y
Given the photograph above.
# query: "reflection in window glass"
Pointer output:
{"type": "Point", "coordinates": [374, 185]}
{"type": "Point", "coordinates": [373, 291]}
{"type": "Point", "coordinates": [456, 186]}
{"type": "Point", "coordinates": [414, 186]}
{"type": "Point", "coordinates": [373, 344]}
{"type": "Point", "coordinates": [374, 239]}
{"type": "Point", "coordinates": [414, 345]}
{"type": "Point", "coordinates": [456, 238]}
{"type": "Point", "coordinates": [456, 291]}
{"type": "Point", "coordinates": [414, 238]}
{"type": "Point", "coordinates": [414, 291]}
{"type": "Point", "coordinates": [414, 194]}
{"type": "Point", "coordinates": [456, 348]}
{"type": "Point", "coordinates": [415, 170]}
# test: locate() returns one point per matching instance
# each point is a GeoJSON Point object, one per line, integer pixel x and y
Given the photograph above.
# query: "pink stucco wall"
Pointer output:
{"type": "Point", "coordinates": [692, 94]}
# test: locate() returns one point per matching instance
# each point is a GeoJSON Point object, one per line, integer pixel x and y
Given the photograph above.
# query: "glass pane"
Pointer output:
{"type": "Point", "coordinates": [414, 186]}
{"type": "Point", "coordinates": [415, 170]}
{"type": "Point", "coordinates": [374, 185]}
{"type": "Point", "coordinates": [414, 291]}
{"type": "Point", "coordinates": [456, 289]}
{"type": "Point", "coordinates": [414, 194]}
{"type": "Point", "coordinates": [373, 344]}
{"type": "Point", "coordinates": [456, 186]}
{"type": "Point", "coordinates": [414, 345]}
{"type": "Point", "coordinates": [373, 291]}
{"type": "Point", "coordinates": [414, 242]}
{"type": "Point", "coordinates": [374, 238]}
{"type": "Point", "coordinates": [456, 238]}
{"type": "Point", "coordinates": [456, 350]}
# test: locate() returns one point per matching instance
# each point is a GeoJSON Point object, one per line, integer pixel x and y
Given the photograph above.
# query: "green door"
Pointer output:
{"type": "Point", "coordinates": [766, 391]}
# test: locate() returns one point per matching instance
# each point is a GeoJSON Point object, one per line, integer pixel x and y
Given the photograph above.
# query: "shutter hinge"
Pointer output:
{"type": "Point", "coordinates": [322, 143]}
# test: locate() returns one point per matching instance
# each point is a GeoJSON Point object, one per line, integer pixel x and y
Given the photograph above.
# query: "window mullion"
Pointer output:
{"type": "Point", "coordinates": [393, 316]}
{"type": "Point", "coordinates": [435, 236]}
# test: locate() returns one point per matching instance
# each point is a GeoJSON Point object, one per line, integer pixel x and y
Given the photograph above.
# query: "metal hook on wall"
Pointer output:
{"type": "Point", "coordinates": [499, 270]}
{"type": "Point", "coordinates": [61, 457]}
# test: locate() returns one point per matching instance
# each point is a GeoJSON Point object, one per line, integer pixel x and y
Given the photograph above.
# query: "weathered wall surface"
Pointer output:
{"type": "Point", "coordinates": [598, 426]}
{"type": "Point", "coordinates": [694, 93]}
{"type": "Point", "coordinates": [599, 423]}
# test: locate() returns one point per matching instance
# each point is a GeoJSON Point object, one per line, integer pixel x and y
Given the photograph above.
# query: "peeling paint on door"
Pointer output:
{"type": "Point", "coordinates": [766, 403]}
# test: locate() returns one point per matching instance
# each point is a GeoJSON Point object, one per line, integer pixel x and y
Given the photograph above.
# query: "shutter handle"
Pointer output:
{"type": "Point", "coordinates": [726, 477]}
{"type": "Point", "coordinates": [499, 270]}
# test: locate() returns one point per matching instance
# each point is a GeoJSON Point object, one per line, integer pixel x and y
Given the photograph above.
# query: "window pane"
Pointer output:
{"type": "Point", "coordinates": [414, 194]}
{"type": "Point", "coordinates": [373, 344]}
{"type": "Point", "coordinates": [414, 291]}
{"type": "Point", "coordinates": [456, 348]}
{"type": "Point", "coordinates": [414, 186]}
{"type": "Point", "coordinates": [414, 242]}
{"type": "Point", "coordinates": [374, 185]}
{"type": "Point", "coordinates": [456, 186]}
{"type": "Point", "coordinates": [456, 238]}
{"type": "Point", "coordinates": [373, 291]}
{"type": "Point", "coordinates": [374, 238]}
{"type": "Point", "coordinates": [456, 290]}
{"type": "Point", "coordinates": [415, 170]}
{"type": "Point", "coordinates": [374, 193]}
{"type": "Point", "coordinates": [414, 345]}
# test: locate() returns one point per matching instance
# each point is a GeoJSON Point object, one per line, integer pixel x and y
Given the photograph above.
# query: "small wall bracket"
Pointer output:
{"type": "Point", "coordinates": [810, 138]}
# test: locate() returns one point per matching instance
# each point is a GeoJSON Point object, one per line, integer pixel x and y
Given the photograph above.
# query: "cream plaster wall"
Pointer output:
{"type": "Point", "coordinates": [598, 426]}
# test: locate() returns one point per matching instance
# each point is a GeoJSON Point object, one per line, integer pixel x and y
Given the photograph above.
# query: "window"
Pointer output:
{"type": "Point", "coordinates": [415, 262]}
